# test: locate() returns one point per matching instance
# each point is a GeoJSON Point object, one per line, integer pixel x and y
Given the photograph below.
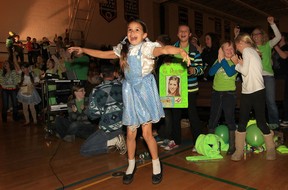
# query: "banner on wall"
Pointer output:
{"type": "Point", "coordinates": [108, 10]}
{"type": "Point", "coordinates": [173, 83]}
{"type": "Point", "coordinates": [131, 9]}
{"type": "Point", "coordinates": [183, 15]}
{"type": "Point", "coordinates": [198, 24]}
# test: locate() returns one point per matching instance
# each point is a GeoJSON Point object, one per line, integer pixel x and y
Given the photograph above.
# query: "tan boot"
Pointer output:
{"type": "Point", "coordinates": [270, 146]}
{"type": "Point", "coordinates": [239, 145]}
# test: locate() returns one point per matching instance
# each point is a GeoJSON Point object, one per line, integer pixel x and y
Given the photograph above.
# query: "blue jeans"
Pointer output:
{"type": "Point", "coordinates": [5, 101]}
{"type": "Point", "coordinates": [97, 142]}
{"type": "Point", "coordinates": [273, 115]}
{"type": "Point", "coordinates": [225, 101]}
{"type": "Point", "coordinates": [64, 126]}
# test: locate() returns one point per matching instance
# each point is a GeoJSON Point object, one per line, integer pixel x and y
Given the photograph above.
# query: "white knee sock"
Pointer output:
{"type": "Point", "coordinates": [131, 166]}
{"type": "Point", "coordinates": [156, 166]}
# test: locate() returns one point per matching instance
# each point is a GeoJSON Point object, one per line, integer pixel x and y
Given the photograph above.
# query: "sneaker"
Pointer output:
{"type": "Point", "coordinates": [273, 126]}
{"type": "Point", "coordinates": [194, 149]}
{"type": "Point", "coordinates": [121, 144]}
{"type": "Point", "coordinates": [158, 139]}
{"type": "Point", "coordinates": [171, 145]}
{"type": "Point", "coordinates": [284, 124]}
{"type": "Point", "coordinates": [58, 136]}
{"type": "Point", "coordinates": [69, 138]}
{"type": "Point", "coordinates": [164, 143]}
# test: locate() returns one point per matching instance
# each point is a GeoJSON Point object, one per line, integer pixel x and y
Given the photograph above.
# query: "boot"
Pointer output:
{"type": "Point", "coordinates": [239, 145]}
{"type": "Point", "coordinates": [231, 149]}
{"type": "Point", "coordinates": [270, 146]}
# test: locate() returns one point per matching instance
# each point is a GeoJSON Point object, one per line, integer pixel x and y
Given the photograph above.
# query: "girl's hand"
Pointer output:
{"type": "Point", "coordinates": [236, 31]}
{"type": "Point", "coordinates": [270, 20]}
{"type": "Point", "coordinates": [79, 50]}
{"type": "Point", "coordinates": [235, 59]}
{"type": "Point", "coordinates": [74, 108]}
{"type": "Point", "coordinates": [220, 55]}
{"type": "Point", "coordinates": [185, 57]}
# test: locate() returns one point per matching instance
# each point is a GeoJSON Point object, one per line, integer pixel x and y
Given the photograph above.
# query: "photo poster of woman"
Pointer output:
{"type": "Point", "coordinates": [173, 85]}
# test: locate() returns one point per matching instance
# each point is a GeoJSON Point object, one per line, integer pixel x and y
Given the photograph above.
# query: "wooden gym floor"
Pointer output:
{"type": "Point", "coordinates": [32, 160]}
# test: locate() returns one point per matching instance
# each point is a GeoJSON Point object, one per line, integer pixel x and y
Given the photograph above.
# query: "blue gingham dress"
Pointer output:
{"type": "Point", "coordinates": [34, 98]}
{"type": "Point", "coordinates": [140, 94]}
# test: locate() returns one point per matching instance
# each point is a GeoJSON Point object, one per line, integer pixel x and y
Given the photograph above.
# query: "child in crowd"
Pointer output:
{"type": "Point", "coordinates": [109, 108]}
{"type": "Point", "coordinates": [224, 92]}
{"type": "Point", "coordinates": [77, 124]}
{"type": "Point", "coordinates": [27, 94]}
{"type": "Point", "coordinates": [142, 104]}
{"type": "Point", "coordinates": [9, 79]}
{"type": "Point", "coordinates": [252, 96]}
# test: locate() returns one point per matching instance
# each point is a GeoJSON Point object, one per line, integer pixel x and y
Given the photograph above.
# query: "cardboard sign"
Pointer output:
{"type": "Point", "coordinates": [173, 83]}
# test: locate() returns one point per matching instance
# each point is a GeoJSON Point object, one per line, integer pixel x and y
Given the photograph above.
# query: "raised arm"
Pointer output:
{"type": "Point", "coordinates": [94, 53]}
{"type": "Point", "coordinates": [276, 31]}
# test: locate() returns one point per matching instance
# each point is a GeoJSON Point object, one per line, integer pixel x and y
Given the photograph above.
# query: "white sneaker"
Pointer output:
{"type": "Point", "coordinates": [171, 145]}
{"type": "Point", "coordinates": [194, 149]}
{"type": "Point", "coordinates": [121, 144]}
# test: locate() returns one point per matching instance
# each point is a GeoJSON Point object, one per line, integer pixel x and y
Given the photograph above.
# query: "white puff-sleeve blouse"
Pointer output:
{"type": "Point", "coordinates": [147, 57]}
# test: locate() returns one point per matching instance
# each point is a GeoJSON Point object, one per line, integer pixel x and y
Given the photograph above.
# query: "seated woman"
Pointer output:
{"type": "Point", "coordinates": [77, 124]}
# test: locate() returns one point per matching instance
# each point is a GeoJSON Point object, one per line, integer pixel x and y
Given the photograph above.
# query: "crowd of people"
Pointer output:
{"type": "Point", "coordinates": [125, 93]}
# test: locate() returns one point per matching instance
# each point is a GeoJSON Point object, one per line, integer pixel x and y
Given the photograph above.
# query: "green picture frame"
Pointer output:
{"type": "Point", "coordinates": [173, 83]}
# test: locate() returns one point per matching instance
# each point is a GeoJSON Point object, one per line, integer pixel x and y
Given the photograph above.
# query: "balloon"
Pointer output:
{"type": "Point", "coordinates": [254, 136]}
{"type": "Point", "coordinates": [223, 132]}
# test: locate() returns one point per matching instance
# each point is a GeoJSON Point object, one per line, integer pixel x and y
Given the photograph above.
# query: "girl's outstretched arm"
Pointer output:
{"type": "Point", "coordinates": [94, 53]}
{"type": "Point", "coordinates": [173, 51]}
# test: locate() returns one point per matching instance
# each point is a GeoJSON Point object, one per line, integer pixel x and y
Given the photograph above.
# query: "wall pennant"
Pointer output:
{"type": "Point", "coordinates": [131, 9]}
{"type": "Point", "coordinates": [108, 10]}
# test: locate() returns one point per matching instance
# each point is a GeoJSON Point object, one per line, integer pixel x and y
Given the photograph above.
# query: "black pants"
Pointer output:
{"type": "Point", "coordinates": [195, 123]}
{"type": "Point", "coordinates": [254, 101]}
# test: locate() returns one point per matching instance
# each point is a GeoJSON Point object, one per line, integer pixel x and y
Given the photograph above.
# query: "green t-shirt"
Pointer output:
{"type": "Point", "coordinates": [266, 57]}
{"type": "Point", "coordinates": [80, 66]}
{"type": "Point", "coordinates": [79, 104]}
{"type": "Point", "coordinates": [222, 82]}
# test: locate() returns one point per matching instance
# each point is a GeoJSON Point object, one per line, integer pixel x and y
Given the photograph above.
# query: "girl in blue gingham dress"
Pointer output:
{"type": "Point", "coordinates": [28, 97]}
{"type": "Point", "coordinates": [142, 105]}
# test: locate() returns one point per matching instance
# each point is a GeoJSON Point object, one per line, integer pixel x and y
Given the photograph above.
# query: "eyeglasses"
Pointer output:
{"type": "Point", "coordinates": [256, 34]}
